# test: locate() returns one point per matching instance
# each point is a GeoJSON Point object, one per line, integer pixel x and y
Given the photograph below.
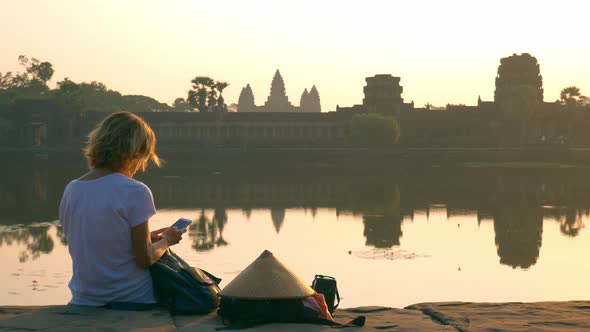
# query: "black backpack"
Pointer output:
{"type": "Point", "coordinates": [182, 288]}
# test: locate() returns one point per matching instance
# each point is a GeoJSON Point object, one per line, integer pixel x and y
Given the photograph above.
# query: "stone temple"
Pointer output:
{"type": "Point", "coordinates": [516, 117]}
{"type": "Point", "coordinates": [516, 71]}
{"type": "Point", "coordinates": [278, 101]}
{"type": "Point", "coordinates": [383, 95]}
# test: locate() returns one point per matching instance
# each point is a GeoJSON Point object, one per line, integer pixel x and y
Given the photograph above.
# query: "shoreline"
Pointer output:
{"type": "Point", "coordinates": [436, 316]}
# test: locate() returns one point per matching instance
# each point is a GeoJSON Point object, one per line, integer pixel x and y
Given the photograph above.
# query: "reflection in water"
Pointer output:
{"type": "Point", "coordinates": [379, 202]}
{"type": "Point", "coordinates": [572, 223]}
{"type": "Point", "coordinates": [40, 183]}
{"type": "Point", "coordinates": [518, 223]}
{"type": "Point", "coordinates": [518, 235]}
{"type": "Point", "coordinates": [247, 212]}
{"type": "Point", "coordinates": [277, 215]}
{"type": "Point", "coordinates": [35, 238]}
{"type": "Point", "coordinates": [220, 219]}
{"type": "Point", "coordinates": [61, 236]}
{"type": "Point", "coordinates": [208, 233]}
{"type": "Point", "coordinates": [516, 201]}
{"type": "Point", "coordinates": [382, 231]}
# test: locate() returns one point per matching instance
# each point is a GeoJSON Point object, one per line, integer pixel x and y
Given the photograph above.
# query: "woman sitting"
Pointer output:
{"type": "Point", "coordinates": [105, 214]}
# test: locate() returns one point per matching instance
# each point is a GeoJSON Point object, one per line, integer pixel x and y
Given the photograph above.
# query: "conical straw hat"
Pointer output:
{"type": "Point", "coordinates": [267, 278]}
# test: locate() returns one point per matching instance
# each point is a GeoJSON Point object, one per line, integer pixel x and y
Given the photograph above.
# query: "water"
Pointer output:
{"type": "Point", "coordinates": [390, 238]}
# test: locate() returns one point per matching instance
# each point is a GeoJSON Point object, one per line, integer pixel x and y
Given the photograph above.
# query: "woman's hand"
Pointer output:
{"type": "Point", "coordinates": [155, 235]}
{"type": "Point", "coordinates": [173, 235]}
{"type": "Point", "coordinates": [147, 253]}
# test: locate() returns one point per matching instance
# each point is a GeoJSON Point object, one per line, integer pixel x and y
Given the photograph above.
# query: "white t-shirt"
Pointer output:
{"type": "Point", "coordinates": [97, 217]}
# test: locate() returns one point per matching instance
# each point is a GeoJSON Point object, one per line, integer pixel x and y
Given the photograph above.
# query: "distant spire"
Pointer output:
{"type": "Point", "coordinates": [304, 102]}
{"type": "Point", "coordinates": [246, 100]}
{"type": "Point", "coordinates": [277, 100]}
{"type": "Point", "coordinates": [277, 87]}
{"type": "Point", "coordinates": [478, 100]}
{"type": "Point", "coordinates": [314, 100]}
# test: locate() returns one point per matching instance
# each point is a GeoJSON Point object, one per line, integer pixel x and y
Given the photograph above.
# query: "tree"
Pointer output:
{"type": "Point", "coordinates": [67, 86]}
{"type": "Point", "coordinates": [374, 129]}
{"type": "Point", "coordinates": [70, 93]}
{"type": "Point", "coordinates": [96, 97]}
{"type": "Point", "coordinates": [572, 97]}
{"type": "Point", "coordinates": [220, 86]}
{"type": "Point", "coordinates": [36, 71]}
{"type": "Point", "coordinates": [30, 84]}
{"type": "Point", "coordinates": [204, 93]}
{"type": "Point", "coordinates": [181, 105]}
{"type": "Point", "coordinates": [6, 80]}
{"type": "Point", "coordinates": [569, 95]}
{"type": "Point", "coordinates": [138, 103]}
{"type": "Point", "coordinates": [197, 96]}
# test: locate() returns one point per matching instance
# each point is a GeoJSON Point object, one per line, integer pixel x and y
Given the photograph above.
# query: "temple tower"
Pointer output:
{"type": "Point", "coordinates": [304, 101]}
{"type": "Point", "coordinates": [277, 100]}
{"type": "Point", "coordinates": [314, 101]}
{"type": "Point", "coordinates": [383, 94]}
{"type": "Point", "coordinates": [515, 72]}
{"type": "Point", "coordinates": [519, 92]}
{"type": "Point", "coordinates": [246, 100]}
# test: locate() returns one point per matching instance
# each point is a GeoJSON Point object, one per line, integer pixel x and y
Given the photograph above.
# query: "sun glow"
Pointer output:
{"type": "Point", "coordinates": [445, 52]}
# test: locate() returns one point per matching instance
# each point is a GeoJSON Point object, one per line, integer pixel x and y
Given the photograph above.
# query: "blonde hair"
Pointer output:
{"type": "Point", "coordinates": [122, 141]}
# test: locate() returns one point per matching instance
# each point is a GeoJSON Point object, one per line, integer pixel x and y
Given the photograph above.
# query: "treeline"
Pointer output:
{"type": "Point", "coordinates": [30, 85]}
{"type": "Point", "coordinates": [23, 89]}
{"type": "Point", "coordinates": [28, 90]}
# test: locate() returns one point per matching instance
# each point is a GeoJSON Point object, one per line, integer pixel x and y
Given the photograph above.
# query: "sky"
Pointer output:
{"type": "Point", "coordinates": [444, 51]}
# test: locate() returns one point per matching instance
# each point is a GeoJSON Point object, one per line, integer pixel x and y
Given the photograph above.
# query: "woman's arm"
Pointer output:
{"type": "Point", "coordinates": [147, 253]}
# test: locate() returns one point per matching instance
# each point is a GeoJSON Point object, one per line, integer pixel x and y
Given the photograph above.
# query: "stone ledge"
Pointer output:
{"type": "Point", "coordinates": [449, 316]}
{"type": "Point", "coordinates": [512, 316]}
{"type": "Point", "coordinates": [75, 318]}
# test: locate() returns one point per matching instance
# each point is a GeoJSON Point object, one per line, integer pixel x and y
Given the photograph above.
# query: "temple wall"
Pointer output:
{"type": "Point", "coordinates": [464, 127]}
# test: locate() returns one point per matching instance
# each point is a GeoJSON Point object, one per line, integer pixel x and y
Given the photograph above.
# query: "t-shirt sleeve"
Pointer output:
{"type": "Point", "coordinates": [141, 206]}
{"type": "Point", "coordinates": [63, 206]}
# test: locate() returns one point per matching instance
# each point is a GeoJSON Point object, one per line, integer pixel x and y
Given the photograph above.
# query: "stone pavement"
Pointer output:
{"type": "Point", "coordinates": [452, 316]}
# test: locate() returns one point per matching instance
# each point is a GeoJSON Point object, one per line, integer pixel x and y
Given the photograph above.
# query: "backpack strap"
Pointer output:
{"type": "Point", "coordinates": [338, 299]}
{"type": "Point", "coordinates": [358, 321]}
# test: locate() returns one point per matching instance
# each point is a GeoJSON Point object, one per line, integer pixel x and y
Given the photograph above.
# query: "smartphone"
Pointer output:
{"type": "Point", "coordinates": [182, 223]}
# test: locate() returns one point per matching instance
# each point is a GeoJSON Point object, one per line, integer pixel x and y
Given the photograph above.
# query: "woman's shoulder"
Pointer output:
{"type": "Point", "coordinates": [133, 186]}
{"type": "Point", "coordinates": [134, 183]}
{"type": "Point", "coordinates": [116, 181]}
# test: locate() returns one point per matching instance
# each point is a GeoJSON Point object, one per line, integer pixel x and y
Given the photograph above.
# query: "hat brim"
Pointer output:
{"type": "Point", "coordinates": [267, 278]}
